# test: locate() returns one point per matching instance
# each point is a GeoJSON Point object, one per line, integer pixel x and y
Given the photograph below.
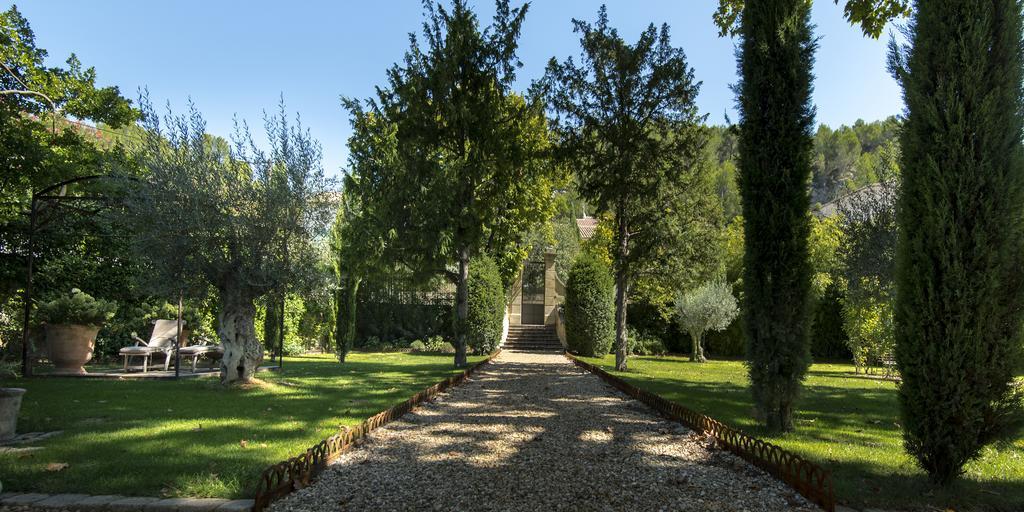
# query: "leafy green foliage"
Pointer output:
{"type": "Point", "coordinates": [39, 147]}
{"type": "Point", "coordinates": [829, 341]}
{"type": "Point", "coordinates": [960, 250]}
{"type": "Point", "coordinates": [709, 307]}
{"type": "Point", "coordinates": [589, 307]}
{"type": "Point", "coordinates": [871, 15]}
{"type": "Point", "coordinates": [76, 307]}
{"type": "Point", "coordinates": [464, 170]}
{"type": "Point", "coordinates": [629, 126]}
{"type": "Point", "coordinates": [439, 345]}
{"type": "Point", "coordinates": [776, 116]}
{"type": "Point", "coordinates": [644, 344]}
{"type": "Point", "coordinates": [485, 321]}
{"type": "Point", "coordinates": [242, 219]}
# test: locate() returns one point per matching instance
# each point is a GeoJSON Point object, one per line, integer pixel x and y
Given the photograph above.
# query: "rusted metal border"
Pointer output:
{"type": "Point", "coordinates": [809, 479]}
{"type": "Point", "coordinates": [297, 472]}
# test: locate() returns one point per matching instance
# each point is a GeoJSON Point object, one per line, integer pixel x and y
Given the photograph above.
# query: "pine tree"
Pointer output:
{"type": "Point", "coordinates": [776, 117]}
{"type": "Point", "coordinates": [959, 251]}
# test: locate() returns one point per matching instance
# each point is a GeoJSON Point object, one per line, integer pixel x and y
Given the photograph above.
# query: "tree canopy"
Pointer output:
{"type": "Point", "coordinates": [236, 217]}
{"type": "Point", "coordinates": [466, 172]}
{"type": "Point", "coordinates": [628, 125]}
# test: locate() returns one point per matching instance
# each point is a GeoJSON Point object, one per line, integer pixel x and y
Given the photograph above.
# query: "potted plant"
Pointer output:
{"type": "Point", "coordinates": [71, 322]}
{"type": "Point", "coordinates": [10, 403]}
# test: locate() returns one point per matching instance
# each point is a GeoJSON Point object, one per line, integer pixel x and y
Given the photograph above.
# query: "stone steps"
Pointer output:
{"type": "Point", "coordinates": [532, 339]}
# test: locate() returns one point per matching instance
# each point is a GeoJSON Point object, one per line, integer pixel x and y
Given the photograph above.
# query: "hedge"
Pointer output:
{"type": "Point", "coordinates": [484, 323]}
{"type": "Point", "coordinates": [589, 307]}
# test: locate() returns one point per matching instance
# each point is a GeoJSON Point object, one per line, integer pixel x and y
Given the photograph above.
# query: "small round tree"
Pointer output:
{"type": "Point", "coordinates": [589, 307]}
{"type": "Point", "coordinates": [711, 307]}
{"type": "Point", "coordinates": [484, 321]}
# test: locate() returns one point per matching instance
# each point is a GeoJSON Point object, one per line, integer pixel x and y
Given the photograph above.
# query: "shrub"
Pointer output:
{"type": "Point", "coordinates": [486, 316]}
{"type": "Point", "coordinates": [589, 307]}
{"type": "Point", "coordinates": [868, 321]}
{"type": "Point", "coordinates": [644, 344]}
{"type": "Point", "coordinates": [417, 346]}
{"type": "Point", "coordinates": [828, 334]}
{"type": "Point", "coordinates": [652, 320]}
{"type": "Point", "coordinates": [76, 307]}
{"type": "Point", "coordinates": [438, 344]}
{"type": "Point", "coordinates": [730, 342]}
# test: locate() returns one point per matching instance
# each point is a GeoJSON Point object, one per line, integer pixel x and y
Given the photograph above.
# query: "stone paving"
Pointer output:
{"type": "Point", "coordinates": [32, 502]}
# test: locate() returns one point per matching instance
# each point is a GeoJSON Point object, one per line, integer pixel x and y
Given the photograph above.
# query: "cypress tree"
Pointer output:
{"type": "Point", "coordinates": [776, 117]}
{"type": "Point", "coordinates": [959, 250]}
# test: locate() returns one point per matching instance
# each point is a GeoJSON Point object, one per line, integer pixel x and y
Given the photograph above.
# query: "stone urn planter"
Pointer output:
{"type": "Point", "coordinates": [70, 346]}
{"type": "Point", "coordinates": [10, 404]}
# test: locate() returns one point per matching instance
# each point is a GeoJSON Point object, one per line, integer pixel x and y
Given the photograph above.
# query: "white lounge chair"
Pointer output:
{"type": "Point", "coordinates": [160, 342]}
{"type": "Point", "coordinates": [202, 348]}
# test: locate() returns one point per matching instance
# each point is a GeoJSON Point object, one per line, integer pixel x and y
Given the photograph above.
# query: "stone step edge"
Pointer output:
{"type": "Point", "coordinates": [112, 502]}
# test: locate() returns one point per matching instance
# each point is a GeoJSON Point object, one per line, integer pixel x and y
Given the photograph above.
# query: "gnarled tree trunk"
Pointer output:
{"type": "Point", "coordinates": [236, 327]}
{"type": "Point", "coordinates": [697, 355]}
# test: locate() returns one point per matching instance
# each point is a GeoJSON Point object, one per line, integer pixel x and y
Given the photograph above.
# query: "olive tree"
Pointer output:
{"type": "Point", "coordinates": [236, 217]}
{"type": "Point", "coordinates": [709, 307]}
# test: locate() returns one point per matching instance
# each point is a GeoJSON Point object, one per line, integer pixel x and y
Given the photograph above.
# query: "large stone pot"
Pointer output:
{"type": "Point", "coordinates": [10, 404]}
{"type": "Point", "coordinates": [70, 346]}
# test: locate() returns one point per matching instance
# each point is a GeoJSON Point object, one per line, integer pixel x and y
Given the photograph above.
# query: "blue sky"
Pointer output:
{"type": "Point", "coordinates": [235, 57]}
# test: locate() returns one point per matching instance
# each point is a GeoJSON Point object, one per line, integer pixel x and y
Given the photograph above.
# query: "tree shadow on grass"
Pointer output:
{"type": "Point", "coordinates": [847, 423]}
{"type": "Point", "coordinates": [197, 437]}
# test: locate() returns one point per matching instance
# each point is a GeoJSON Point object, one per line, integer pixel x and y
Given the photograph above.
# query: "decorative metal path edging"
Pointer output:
{"type": "Point", "coordinates": [809, 479]}
{"type": "Point", "coordinates": [297, 472]}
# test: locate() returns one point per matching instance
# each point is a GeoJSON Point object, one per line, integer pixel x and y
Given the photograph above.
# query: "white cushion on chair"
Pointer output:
{"type": "Point", "coordinates": [139, 351]}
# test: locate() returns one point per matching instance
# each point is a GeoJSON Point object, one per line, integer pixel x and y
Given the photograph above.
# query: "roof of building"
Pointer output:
{"type": "Point", "coordinates": [586, 227]}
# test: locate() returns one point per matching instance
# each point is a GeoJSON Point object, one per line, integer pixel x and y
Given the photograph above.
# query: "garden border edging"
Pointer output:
{"type": "Point", "coordinates": [297, 472]}
{"type": "Point", "coordinates": [809, 479]}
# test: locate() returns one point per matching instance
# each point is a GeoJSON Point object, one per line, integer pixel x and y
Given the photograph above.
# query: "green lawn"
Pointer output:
{"type": "Point", "coordinates": [195, 438]}
{"type": "Point", "coordinates": [846, 422]}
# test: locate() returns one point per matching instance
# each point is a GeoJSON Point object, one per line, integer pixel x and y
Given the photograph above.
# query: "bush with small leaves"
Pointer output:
{"type": "Point", "coordinates": [78, 308]}
{"type": "Point", "coordinates": [484, 322]}
{"type": "Point", "coordinates": [589, 307]}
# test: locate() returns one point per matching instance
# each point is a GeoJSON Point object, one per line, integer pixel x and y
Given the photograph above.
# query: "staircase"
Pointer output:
{"type": "Point", "coordinates": [532, 338]}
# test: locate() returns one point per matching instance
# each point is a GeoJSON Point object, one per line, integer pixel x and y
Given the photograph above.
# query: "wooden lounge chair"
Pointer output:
{"type": "Point", "coordinates": [203, 347]}
{"type": "Point", "coordinates": [160, 342]}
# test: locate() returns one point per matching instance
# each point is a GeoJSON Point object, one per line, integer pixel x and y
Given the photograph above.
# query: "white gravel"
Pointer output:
{"type": "Point", "coordinates": [532, 432]}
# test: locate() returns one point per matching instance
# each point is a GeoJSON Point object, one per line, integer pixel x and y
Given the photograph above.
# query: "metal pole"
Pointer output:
{"type": "Point", "coordinates": [177, 338]}
{"type": "Point", "coordinates": [280, 337]}
{"type": "Point", "coordinates": [26, 364]}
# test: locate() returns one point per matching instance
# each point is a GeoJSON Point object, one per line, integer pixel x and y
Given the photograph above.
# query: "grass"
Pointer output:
{"type": "Point", "coordinates": [848, 423]}
{"type": "Point", "coordinates": [194, 437]}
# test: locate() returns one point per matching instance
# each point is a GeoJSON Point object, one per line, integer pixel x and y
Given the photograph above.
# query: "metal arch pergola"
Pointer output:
{"type": "Point", "coordinates": [38, 197]}
{"type": "Point", "coordinates": [47, 194]}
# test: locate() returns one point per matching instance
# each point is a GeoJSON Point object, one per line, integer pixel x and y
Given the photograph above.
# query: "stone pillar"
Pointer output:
{"type": "Point", "coordinates": [515, 304]}
{"type": "Point", "coordinates": [549, 288]}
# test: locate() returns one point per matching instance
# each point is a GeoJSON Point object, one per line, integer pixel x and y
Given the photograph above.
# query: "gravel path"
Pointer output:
{"type": "Point", "coordinates": [533, 432]}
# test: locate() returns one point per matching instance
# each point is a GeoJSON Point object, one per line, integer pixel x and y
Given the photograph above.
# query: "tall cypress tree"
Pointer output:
{"type": "Point", "coordinates": [776, 117]}
{"type": "Point", "coordinates": [959, 254]}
